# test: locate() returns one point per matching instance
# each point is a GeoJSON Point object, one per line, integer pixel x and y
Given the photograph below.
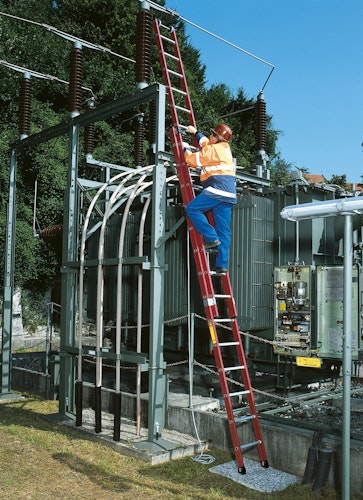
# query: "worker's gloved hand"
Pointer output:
{"type": "Point", "coordinates": [191, 130]}
{"type": "Point", "coordinates": [186, 145]}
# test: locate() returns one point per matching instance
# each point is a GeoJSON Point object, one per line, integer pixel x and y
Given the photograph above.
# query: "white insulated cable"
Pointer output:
{"type": "Point", "coordinates": [202, 458]}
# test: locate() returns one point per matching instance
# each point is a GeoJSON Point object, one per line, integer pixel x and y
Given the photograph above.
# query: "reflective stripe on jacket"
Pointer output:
{"type": "Point", "coordinates": [217, 168]}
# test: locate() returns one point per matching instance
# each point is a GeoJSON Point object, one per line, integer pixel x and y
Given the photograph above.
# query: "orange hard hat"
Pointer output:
{"type": "Point", "coordinates": [223, 132]}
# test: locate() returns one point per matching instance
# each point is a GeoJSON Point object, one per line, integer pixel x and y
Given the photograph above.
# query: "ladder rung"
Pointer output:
{"type": "Point", "coordinates": [249, 445]}
{"type": "Point", "coordinates": [230, 368]}
{"type": "Point", "coordinates": [175, 73]}
{"type": "Point", "coordinates": [161, 25]}
{"type": "Point", "coordinates": [183, 109]}
{"type": "Point", "coordinates": [173, 77]}
{"type": "Point", "coordinates": [238, 393]}
{"type": "Point", "coordinates": [178, 90]}
{"type": "Point", "coordinates": [171, 56]}
{"type": "Point", "coordinates": [167, 39]}
{"type": "Point", "coordinates": [244, 419]}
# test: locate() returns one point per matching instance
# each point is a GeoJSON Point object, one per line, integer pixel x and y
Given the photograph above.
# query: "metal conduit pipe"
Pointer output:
{"type": "Point", "coordinates": [137, 191]}
{"type": "Point", "coordinates": [99, 319]}
{"type": "Point", "coordinates": [79, 383]}
{"type": "Point", "coordinates": [99, 316]}
{"type": "Point", "coordinates": [117, 399]}
{"type": "Point", "coordinates": [297, 227]}
{"type": "Point", "coordinates": [139, 314]}
{"type": "Point", "coordinates": [127, 176]}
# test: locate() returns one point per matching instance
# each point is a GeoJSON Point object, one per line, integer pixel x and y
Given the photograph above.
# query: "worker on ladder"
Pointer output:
{"type": "Point", "coordinates": [218, 178]}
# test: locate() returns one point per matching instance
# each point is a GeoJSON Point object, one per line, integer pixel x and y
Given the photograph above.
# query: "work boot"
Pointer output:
{"type": "Point", "coordinates": [211, 244]}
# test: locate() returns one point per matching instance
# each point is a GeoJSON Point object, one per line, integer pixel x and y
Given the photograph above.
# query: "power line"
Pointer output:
{"type": "Point", "coordinates": [250, 54]}
{"type": "Point", "coordinates": [31, 72]}
{"type": "Point", "coordinates": [69, 37]}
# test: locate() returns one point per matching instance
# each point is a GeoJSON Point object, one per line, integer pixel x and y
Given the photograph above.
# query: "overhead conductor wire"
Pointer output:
{"type": "Point", "coordinates": [71, 38]}
{"type": "Point", "coordinates": [36, 74]}
{"type": "Point", "coordinates": [250, 54]}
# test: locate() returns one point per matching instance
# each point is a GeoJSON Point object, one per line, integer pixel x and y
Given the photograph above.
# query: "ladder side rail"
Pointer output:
{"type": "Point", "coordinates": [181, 166]}
{"type": "Point", "coordinates": [249, 395]}
{"type": "Point", "coordinates": [223, 382]}
{"type": "Point", "coordinates": [200, 258]}
{"type": "Point", "coordinates": [227, 288]}
{"type": "Point", "coordinates": [187, 100]}
{"type": "Point", "coordinates": [166, 76]}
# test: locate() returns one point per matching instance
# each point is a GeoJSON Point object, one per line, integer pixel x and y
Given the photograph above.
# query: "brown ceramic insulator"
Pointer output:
{"type": "Point", "coordinates": [25, 106]}
{"type": "Point", "coordinates": [139, 140]}
{"type": "Point", "coordinates": [261, 140]}
{"type": "Point", "coordinates": [143, 46]}
{"type": "Point", "coordinates": [76, 77]}
{"type": "Point", "coordinates": [152, 122]}
{"type": "Point", "coordinates": [89, 139]}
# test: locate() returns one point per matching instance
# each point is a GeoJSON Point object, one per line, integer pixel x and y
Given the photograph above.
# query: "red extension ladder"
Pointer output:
{"type": "Point", "coordinates": [180, 103]}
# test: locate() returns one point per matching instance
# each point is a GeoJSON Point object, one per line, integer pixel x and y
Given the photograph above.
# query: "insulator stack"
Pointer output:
{"type": "Point", "coordinates": [25, 107]}
{"type": "Point", "coordinates": [261, 139]}
{"type": "Point", "coordinates": [152, 122]}
{"type": "Point", "coordinates": [139, 140]}
{"type": "Point", "coordinates": [76, 77]}
{"type": "Point", "coordinates": [52, 234]}
{"type": "Point", "coordinates": [89, 139]}
{"type": "Point", "coordinates": [143, 46]}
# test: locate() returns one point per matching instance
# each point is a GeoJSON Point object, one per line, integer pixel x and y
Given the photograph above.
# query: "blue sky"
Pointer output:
{"type": "Point", "coordinates": [315, 92]}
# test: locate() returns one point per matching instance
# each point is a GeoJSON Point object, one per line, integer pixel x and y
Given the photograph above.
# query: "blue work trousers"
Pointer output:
{"type": "Point", "coordinates": [196, 211]}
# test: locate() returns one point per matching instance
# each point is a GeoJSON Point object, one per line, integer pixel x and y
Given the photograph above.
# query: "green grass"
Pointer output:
{"type": "Point", "coordinates": [42, 460]}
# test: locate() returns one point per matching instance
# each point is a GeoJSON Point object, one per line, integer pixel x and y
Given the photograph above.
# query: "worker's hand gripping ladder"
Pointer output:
{"type": "Point", "coordinates": [180, 104]}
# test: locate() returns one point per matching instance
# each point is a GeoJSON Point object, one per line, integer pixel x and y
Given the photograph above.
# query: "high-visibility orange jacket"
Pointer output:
{"type": "Point", "coordinates": [218, 171]}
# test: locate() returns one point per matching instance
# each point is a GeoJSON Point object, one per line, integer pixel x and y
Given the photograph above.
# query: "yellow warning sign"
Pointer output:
{"type": "Point", "coordinates": [212, 332]}
{"type": "Point", "coordinates": [308, 362]}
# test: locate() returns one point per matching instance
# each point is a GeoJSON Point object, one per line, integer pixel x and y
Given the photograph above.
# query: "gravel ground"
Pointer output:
{"type": "Point", "coordinates": [326, 411]}
{"type": "Point", "coordinates": [257, 477]}
{"type": "Point", "coordinates": [329, 415]}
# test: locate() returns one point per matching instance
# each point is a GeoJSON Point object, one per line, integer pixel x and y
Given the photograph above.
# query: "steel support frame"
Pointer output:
{"type": "Point", "coordinates": [8, 283]}
{"type": "Point", "coordinates": [69, 278]}
{"type": "Point", "coordinates": [157, 378]}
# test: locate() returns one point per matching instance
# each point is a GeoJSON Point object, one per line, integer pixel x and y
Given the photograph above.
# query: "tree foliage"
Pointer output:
{"type": "Point", "coordinates": [280, 172]}
{"type": "Point", "coordinates": [339, 180]}
{"type": "Point", "coordinates": [110, 24]}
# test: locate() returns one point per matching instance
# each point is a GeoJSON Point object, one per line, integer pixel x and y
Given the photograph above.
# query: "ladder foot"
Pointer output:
{"type": "Point", "coordinates": [242, 470]}
{"type": "Point", "coordinates": [264, 463]}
